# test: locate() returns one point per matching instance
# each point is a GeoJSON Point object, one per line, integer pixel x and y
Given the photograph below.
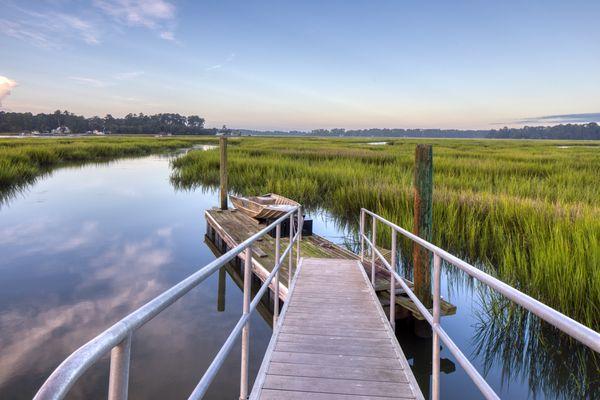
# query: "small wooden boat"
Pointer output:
{"type": "Point", "coordinates": [267, 206]}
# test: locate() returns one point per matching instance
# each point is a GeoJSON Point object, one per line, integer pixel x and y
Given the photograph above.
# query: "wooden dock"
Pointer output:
{"type": "Point", "coordinates": [333, 341]}
{"type": "Point", "coordinates": [228, 228]}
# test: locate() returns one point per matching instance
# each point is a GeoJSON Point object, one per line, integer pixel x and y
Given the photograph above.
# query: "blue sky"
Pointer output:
{"type": "Point", "coordinates": [305, 64]}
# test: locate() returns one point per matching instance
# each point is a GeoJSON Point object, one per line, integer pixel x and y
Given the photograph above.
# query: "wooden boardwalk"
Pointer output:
{"type": "Point", "coordinates": [333, 341]}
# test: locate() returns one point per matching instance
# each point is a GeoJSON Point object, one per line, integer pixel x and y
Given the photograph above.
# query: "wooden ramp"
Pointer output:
{"type": "Point", "coordinates": [333, 341]}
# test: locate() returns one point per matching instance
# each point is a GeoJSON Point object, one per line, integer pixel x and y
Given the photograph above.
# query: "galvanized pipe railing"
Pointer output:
{"type": "Point", "coordinates": [574, 329]}
{"type": "Point", "coordinates": [117, 338]}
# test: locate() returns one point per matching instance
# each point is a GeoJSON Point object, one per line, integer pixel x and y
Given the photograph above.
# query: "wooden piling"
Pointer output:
{"type": "Point", "coordinates": [223, 171]}
{"type": "Point", "coordinates": [423, 215]}
{"type": "Point", "coordinates": [221, 290]}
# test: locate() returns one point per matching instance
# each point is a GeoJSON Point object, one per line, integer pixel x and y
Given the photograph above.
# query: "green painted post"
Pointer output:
{"type": "Point", "coordinates": [423, 215]}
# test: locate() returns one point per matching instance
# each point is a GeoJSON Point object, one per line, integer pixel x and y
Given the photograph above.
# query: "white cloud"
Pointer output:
{"type": "Point", "coordinates": [128, 75]}
{"type": "Point", "coordinates": [6, 85]}
{"type": "Point", "coordinates": [87, 31]}
{"type": "Point", "coordinates": [148, 13]}
{"type": "Point", "coordinates": [88, 81]}
{"type": "Point", "coordinates": [168, 35]}
{"type": "Point", "coordinates": [26, 33]}
{"type": "Point", "coordinates": [49, 29]}
{"type": "Point", "coordinates": [152, 14]}
{"type": "Point", "coordinates": [228, 60]}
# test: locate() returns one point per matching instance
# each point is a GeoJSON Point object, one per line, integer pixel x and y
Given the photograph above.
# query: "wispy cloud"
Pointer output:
{"type": "Point", "coordinates": [561, 119]}
{"type": "Point", "coordinates": [72, 22]}
{"type": "Point", "coordinates": [6, 85]}
{"type": "Point", "coordinates": [122, 76]}
{"type": "Point", "coordinates": [168, 35]}
{"type": "Point", "coordinates": [229, 59]}
{"type": "Point", "coordinates": [88, 81]}
{"type": "Point", "coordinates": [157, 15]}
{"type": "Point", "coordinates": [49, 29]}
{"type": "Point", "coordinates": [26, 33]}
{"type": "Point", "coordinates": [50, 26]}
{"type": "Point", "coordinates": [107, 81]}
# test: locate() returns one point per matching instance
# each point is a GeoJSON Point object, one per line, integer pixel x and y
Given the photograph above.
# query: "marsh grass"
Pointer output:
{"type": "Point", "coordinates": [528, 210]}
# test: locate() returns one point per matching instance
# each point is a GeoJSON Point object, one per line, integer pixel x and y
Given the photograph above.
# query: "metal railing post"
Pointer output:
{"type": "Point", "coordinates": [290, 262]}
{"type": "Point", "coordinates": [373, 246]}
{"type": "Point", "coordinates": [362, 235]}
{"type": "Point", "coordinates": [393, 282]}
{"type": "Point", "coordinates": [435, 393]}
{"type": "Point", "coordinates": [118, 382]}
{"type": "Point", "coordinates": [246, 330]}
{"type": "Point", "coordinates": [299, 236]}
{"type": "Point", "coordinates": [277, 252]}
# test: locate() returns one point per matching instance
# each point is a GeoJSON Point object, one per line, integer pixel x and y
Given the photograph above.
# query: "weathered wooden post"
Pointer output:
{"type": "Point", "coordinates": [423, 215]}
{"type": "Point", "coordinates": [221, 290]}
{"type": "Point", "coordinates": [223, 171]}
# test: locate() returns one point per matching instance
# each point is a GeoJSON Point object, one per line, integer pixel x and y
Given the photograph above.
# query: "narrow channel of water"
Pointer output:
{"type": "Point", "coordinates": [84, 246]}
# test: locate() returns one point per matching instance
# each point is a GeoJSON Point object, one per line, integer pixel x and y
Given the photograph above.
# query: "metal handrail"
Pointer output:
{"type": "Point", "coordinates": [574, 329]}
{"type": "Point", "coordinates": [118, 336]}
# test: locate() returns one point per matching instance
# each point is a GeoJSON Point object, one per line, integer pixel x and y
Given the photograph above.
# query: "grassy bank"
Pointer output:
{"type": "Point", "coordinates": [22, 160]}
{"type": "Point", "coordinates": [528, 210]}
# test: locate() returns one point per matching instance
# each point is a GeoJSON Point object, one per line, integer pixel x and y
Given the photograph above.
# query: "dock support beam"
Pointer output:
{"type": "Point", "coordinates": [423, 215]}
{"type": "Point", "coordinates": [223, 171]}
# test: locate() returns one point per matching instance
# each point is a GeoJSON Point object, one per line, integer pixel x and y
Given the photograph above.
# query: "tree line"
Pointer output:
{"type": "Point", "coordinates": [589, 131]}
{"type": "Point", "coordinates": [169, 123]}
{"type": "Point", "coordinates": [165, 123]}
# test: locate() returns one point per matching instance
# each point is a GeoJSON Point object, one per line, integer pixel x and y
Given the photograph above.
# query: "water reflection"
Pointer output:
{"type": "Point", "coordinates": [87, 246]}
{"type": "Point", "coordinates": [524, 347]}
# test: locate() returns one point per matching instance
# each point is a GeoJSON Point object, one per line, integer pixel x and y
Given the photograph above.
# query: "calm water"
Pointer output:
{"type": "Point", "coordinates": [85, 246]}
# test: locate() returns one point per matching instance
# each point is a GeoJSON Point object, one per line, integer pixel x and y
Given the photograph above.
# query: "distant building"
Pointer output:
{"type": "Point", "coordinates": [61, 130]}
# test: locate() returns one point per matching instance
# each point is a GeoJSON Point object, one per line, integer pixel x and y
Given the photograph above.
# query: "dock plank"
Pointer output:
{"type": "Point", "coordinates": [270, 394]}
{"type": "Point", "coordinates": [344, 351]}
{"type": "Point", "coordinates": [337, 372]}
{"type": "Point", "coordinates": [339, 386]}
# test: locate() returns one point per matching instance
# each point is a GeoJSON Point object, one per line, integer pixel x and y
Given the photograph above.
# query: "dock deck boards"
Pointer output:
{"type": "Point", "coordinates": [333, 341]}
{"type": "Point", "coordinates": [233, 227]}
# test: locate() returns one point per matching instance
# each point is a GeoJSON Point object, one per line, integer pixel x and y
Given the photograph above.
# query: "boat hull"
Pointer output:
{"type": "Point", "coordinates": [268, 206]}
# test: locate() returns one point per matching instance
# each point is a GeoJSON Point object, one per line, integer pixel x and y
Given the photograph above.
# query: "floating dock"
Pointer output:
{"type": "Point", "coordinates": [228, 228]}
